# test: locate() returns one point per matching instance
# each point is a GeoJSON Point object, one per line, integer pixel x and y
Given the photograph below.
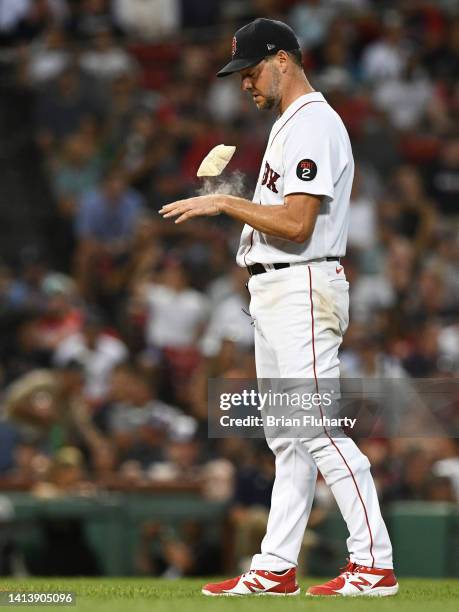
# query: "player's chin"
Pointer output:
{"type": "Point", "coordinates": [259, 102]}
{"type": "Point", "coordinates": [263, 103]}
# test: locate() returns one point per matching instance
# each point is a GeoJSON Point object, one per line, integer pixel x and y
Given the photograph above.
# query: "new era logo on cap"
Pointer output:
{"type": "Point", "coordinates": [270, 46]}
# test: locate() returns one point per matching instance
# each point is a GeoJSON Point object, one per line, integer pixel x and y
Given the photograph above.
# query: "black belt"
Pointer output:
{"type": "Point", "coordinates": [258, 268]}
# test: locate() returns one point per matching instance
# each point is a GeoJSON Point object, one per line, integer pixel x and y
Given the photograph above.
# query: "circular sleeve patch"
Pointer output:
{"type": "Point", "coordinates": [306, 170]}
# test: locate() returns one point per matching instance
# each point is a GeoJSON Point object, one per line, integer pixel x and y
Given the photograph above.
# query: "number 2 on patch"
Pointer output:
{"type": "Point", "coordinates": [306, 170]}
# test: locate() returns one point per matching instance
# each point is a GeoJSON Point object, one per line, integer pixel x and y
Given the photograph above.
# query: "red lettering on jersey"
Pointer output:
{"type": "Point", "coordinates": [273, 176]}
{"type": "Point", "coordinates": [265, 174]}
{"type": "Point", "coordinates": [270, 177]}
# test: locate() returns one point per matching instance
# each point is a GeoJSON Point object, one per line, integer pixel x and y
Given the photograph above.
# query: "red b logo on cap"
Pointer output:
{"type": "Point", "coordinates": [233, 46]}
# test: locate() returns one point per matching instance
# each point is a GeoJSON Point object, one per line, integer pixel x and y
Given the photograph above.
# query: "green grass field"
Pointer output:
{"type": "Point", "coordinates": [153, 595]}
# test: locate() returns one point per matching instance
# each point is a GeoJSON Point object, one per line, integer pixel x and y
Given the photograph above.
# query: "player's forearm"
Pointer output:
{"type": "Point", "coordinates": [273, 220]}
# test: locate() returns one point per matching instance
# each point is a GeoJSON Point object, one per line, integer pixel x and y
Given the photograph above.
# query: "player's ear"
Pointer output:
{"type": "Point", "coordinates": [282, 60]}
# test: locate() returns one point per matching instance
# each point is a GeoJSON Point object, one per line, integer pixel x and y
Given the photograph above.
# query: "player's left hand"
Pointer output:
{"type": "Point", "coordinates": [200, 206]}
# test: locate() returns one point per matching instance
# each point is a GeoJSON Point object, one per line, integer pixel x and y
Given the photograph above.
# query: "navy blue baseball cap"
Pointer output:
{"type": "Point", "coordinates": [256, 40]}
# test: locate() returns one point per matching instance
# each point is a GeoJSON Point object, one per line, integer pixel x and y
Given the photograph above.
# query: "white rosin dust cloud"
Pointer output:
{"type": "Point", "coordinates": [234, 184]}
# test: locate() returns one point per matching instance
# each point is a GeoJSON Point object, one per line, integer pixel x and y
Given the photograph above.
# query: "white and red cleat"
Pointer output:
{"type": "Point", "coordinates": [256, 582]}
{"type": "Point", "coordinates": [357, 580]}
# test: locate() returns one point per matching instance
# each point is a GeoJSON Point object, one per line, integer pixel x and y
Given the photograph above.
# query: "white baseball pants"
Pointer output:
{"type": "Point", "coordinates": [300, 314]}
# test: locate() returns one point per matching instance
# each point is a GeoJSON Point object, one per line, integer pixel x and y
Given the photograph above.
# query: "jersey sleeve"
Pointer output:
{"type": "Point", "coordinates": [308, 159]}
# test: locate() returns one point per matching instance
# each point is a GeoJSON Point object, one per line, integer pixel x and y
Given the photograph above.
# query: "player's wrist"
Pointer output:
{"type": "Point", "coordinates": [221, 203]}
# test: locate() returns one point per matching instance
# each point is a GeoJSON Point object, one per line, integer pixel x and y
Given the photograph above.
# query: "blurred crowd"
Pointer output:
{"type": "Point", "coordinates": [113, 319]}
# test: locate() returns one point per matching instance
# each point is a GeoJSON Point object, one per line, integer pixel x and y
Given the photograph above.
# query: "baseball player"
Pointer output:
{"type": "Point", "coordinates": [294, 235]}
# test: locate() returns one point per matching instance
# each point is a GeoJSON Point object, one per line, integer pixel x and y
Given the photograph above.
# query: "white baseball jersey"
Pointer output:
{"type": "Point", "coordinates": [308, 152]}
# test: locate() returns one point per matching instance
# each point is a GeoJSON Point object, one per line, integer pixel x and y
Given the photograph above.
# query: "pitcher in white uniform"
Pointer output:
{"type": "Point", "coordinates": [294, 235]}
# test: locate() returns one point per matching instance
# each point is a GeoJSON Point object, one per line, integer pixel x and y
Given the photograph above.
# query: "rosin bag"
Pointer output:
{"type": "Point", "coordinates": [216, 160]}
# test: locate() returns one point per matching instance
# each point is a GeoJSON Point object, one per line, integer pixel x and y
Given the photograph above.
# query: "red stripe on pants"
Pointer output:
{"type": "Point", "coordinates": [325, 429]}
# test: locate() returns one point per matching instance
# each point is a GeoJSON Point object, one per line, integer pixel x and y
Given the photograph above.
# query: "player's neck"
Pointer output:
{"type": "Point", "coordinates": [294, 90]}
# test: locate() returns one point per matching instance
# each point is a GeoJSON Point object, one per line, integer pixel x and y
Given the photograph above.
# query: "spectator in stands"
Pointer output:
{"type": "Point", "coordinates": [218, 479]}
{"type": "Point", "coordinates": [310, 21]}
{"type": "Point", "coordinates": [48, 58]}
{"type": "Point", "coordinates": [181, 462]}
{"type": "Point", "coordinates": [405, 98]}
{"type": "Point", "coordinates": [30, 464]}
{"type": "Point", "coordinates": [104, 465]}
{"type": "Point", "coordinates": [176, 313]}
{"type": "Point", "coordinates": [365, 357]}
{"type": "Point", "coordinates": [26, 289]}
{"type": "Point", "coordinates": [37, 308]}
{"type": "Point", "coordinates": [108, 215]}
{"type": "Point", "coordinates": [375, 292]}
{"type": "Point", "coordinates": [335, 55]}
{"type": "Point", "coordinates": [166, 185]}
{"type": "Point", "coordinates": [436, 296]}
{"type": "Point", "coordinates": [78, 170]}
{"type": "Point", "coordinates": [98, 351]}
{"type": "Point", "coordinates": [60, 317]}
{"type": "Point", "coordinates": [119, 392]}
{"type": "Point", "coordinates": [138, 422]}
{"type": "Point", "coordinates": [416, 217]}
{"type": "Point", "coordinates": [144, 256]}
{"type": "Point", "coordinates": [125, 98]}
{"type": "Point", "coordinates": [224, 102]}
{"type": "Point", "coordinates": [106, 61]}
{"type": "Point", "coordinates": [66, 475]}
{"type": "Point", "coordinates": [48, 406]}
{"type": "Point", "coordinates": [413, 477]}
{"type": "Point", "coordinates": [104, 225]}
{"type": "Point", "coordinates": [144, 157]}
{"type": "Point", "coordinates": [61, 110]}
{"type": "Point", "coordinates": [89, 17]}
{"type": "Point", "coordinates": [230, 319]}
{"type": "Point", "coordinates": [386, 57]}
{"type": "Point", "coordinates": [10, 290]}
{"type": "Point", "coordinates": [153, 20]}
{"type": "Point", "coordinates": [421, 358]}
